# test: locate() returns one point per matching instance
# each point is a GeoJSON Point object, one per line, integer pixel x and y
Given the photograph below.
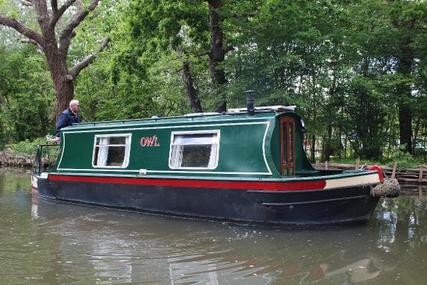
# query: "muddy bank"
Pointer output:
{"type": "Point", "coordinates": [12, 159]}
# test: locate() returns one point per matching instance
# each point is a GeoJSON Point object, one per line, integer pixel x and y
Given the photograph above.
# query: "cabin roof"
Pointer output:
{"type": "Point", "coordinates": [261, 113]}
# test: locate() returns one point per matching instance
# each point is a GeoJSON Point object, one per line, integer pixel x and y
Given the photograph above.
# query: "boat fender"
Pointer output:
{"type": "Point", "coordinates": [390, 188]}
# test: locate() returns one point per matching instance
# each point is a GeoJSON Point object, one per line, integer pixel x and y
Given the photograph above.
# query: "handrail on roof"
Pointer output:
{"type": "Point", "coordinates": [231, 112]}
{"type": "Point", "coordinates": [275, 108]}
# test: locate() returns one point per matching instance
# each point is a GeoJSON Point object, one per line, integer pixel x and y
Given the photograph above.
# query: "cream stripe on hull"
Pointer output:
{"type": "Point", "coordinates": [352, 181]}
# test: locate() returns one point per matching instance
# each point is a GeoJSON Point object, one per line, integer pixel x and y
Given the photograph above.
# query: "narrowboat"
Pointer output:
{"type": "Point", "coordinates": [245, 165]}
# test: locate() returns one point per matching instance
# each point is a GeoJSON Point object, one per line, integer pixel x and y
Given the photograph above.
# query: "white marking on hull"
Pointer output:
{"type": "Point", "coordinates": [100, 171]}
{"type": "Point", "coordinates": [263, 148]}
{"type": "Point", "coordinates": [34, 182]}
{"type": "Point", "coordinates": [62, 150]}
{"type": "Point", "coordinates": [35, 179]}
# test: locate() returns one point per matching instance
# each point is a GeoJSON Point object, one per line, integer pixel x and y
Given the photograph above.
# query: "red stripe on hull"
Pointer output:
{"type": "Point", "coordinates": [239, 185]}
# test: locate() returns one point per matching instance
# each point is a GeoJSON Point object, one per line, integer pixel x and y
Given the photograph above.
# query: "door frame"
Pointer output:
{"type": "Point", "coordinates": [287, 163]}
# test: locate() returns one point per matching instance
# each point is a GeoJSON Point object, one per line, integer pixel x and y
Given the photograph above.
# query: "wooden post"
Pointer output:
{"type": "Point", "coordinates": [326, 165]}
{"type": "Point", "coordinates": [356, 167]}
{"type": "Point", "coordinates": [420, 177]}
{"type": "Point", "coordinates": [393, 174]}
{"type": "Point", "coordinates": [317, 164]}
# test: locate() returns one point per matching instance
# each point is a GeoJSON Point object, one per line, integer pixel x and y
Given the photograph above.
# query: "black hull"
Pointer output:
{"type": "Point", "coordinates": [292, 208]}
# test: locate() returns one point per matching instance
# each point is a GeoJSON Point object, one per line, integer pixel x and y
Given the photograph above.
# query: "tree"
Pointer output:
{"type": "Point", "coordinates": [191, 30]}
{"type": "Point", "coordinates": [217, 50]}
{"type": "Point", "coordinates": [408, 18]}
{"type": "Point", "coordinates": [388, 34]}
{"type": "Point", "coordinates": [168, 29]}
{"type": "Point", "coordinates": [55, 41]}
{"type": "Point", "coordinates": [23, 73]}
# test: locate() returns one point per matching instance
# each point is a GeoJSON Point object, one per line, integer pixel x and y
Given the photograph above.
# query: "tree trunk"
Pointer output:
{"type": "Point", "coordinates": [326, 153]}
{"type": "Point", "coordinates": [405, 97]}
{"type": "Point", "coordinates": [313, 148]}
{"type": "Point", "coordinates": [217, 51]}
{"type": "Point", "coordinates": [416, 131]}
{"type": "Point", "coordinates": [405, 126]}
{"type": "Point", "coordinates": [62, 81]}
{"type": "Point", "coordinates": [64, 93]}
{"type": "Point", "coordinates": [190, 90]}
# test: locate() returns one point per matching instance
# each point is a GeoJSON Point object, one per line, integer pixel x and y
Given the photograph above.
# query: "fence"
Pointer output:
{"type": "Point", "coordinates": [407, 176]}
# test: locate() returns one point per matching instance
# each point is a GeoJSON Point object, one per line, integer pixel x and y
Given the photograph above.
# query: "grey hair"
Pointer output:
{"type": "Point", "coordinates": [74, 102]}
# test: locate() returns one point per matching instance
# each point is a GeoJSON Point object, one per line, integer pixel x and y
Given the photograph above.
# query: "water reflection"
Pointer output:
{"type": "Point", "coordinates": [44, 242]}
{"type": "Point", "coordinates": [133, 248]}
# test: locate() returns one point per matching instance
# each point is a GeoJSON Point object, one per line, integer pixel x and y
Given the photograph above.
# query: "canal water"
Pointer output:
{"type": "Point", "coordinates": [49, 243]}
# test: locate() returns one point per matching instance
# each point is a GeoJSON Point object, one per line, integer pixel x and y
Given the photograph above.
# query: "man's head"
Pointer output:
{"type": "Point", "coordinates": [75, 106]}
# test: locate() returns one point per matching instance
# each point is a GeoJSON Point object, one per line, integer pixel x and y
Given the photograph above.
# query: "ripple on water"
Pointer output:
{"type": "Point", "coordinates": [51, 243]}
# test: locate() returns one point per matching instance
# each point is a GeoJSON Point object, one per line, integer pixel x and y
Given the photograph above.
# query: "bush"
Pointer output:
{"type": "Point", "coordinates": [403, 158]}
{"type": "Point", "coordinates": [26, 147]}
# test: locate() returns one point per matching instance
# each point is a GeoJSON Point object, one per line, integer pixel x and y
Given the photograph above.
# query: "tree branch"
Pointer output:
{"type": "Point", "coordinates": [20, 28]}
{"type": "Point", "coordinates": [54, 5]}
{"type": "Point", "coordinates": [202, 54]}
{"type": "Point", "coordinates": [31, 41]}
{"type": "Point", "coordinates": [244, 15]}
{"type": "Point", "coordinates": [66, 34]}
{"type": "Point", "coordinates": [57, 13]}
{"type": "Point", "coordinates": [229, 48]}
{"type": "Point", "coordinates": [86, 61]}
{"type": "Point", "coordinates": [40, 7]}
{"type": "Point", "coordinates": [27, 3]}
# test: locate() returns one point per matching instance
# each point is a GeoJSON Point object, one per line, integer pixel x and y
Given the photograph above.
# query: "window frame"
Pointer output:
{"type": "Point", "coordinates": [127, 145]}
{"type": "Point", "coordinates": [181, 133]}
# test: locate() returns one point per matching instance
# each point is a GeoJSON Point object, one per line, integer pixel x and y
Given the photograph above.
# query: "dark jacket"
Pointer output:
{"type": "Point", "coordinates": [65, 119]}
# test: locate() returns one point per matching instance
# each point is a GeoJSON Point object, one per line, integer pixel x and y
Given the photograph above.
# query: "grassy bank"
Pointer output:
{"type": "Point", "coordinates": [406, 161]}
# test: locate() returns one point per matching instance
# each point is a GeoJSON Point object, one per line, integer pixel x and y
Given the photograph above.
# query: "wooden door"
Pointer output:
{"type": "Point", "coordinates": [287, 142]}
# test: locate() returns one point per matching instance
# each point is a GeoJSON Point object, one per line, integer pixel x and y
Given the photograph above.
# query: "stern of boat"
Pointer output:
{"type": "Point", "coordinates": [43, 162]}
{"type": "Point", "coordinates": [36, 180]}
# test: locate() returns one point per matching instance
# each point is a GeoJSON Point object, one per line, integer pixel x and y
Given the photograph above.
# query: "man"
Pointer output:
{"type": "Point", "coordinates": [68, 117]}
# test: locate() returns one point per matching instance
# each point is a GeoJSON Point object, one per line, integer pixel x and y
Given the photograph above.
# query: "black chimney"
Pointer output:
{"type": "Point", "coordinates": [250, 100]}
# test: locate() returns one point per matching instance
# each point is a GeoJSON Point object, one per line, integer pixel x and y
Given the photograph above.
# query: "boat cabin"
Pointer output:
{"type": "Point", "coordinates": [265, 144]}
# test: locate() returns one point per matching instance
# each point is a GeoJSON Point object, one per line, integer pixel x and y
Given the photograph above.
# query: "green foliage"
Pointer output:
{"type": "Point", "coordinates": [1, 135]}
{"type": "Point", "coordinates": [26, 146]}
{"type": "Point", "coordinates": [366, 111]}
{"type": "Point", "coordinates": [403, 159]}
{"type": "Point", "coordinates": [26, 95]}
{"type": "Point", "coordinates": [340, 62]}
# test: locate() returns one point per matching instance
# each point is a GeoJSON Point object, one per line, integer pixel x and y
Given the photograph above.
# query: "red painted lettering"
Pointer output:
{"type": "Point", "coordinates": [149, 141]}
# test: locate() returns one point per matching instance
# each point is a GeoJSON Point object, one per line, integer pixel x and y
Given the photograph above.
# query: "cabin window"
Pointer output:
{"type": "Point", "coordinates": [195, 150]}
{"type": "Point", "coordinates": [111, 151]}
